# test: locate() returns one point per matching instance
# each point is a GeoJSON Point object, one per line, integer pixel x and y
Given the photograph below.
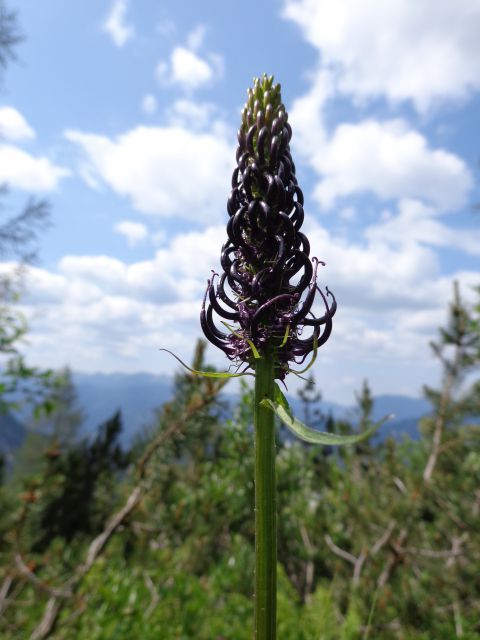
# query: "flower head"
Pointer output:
{"type": "Point", "coordinates": [268, 282]}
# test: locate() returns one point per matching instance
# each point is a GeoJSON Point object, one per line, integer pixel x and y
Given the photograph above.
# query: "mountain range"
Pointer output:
{"type": "Point", "coordinates": [138, 395]}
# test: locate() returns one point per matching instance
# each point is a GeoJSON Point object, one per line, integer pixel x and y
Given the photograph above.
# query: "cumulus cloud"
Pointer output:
{"type": "Point", "coordinates": [196, 37]}
{"type": "Point", "coordinates": [167, 171]}
{"type": "Point", "coordinates": [400, 50]}
{"type": "Point", "coordinates": [116, 315]}
{"type": "Point", "coordinates": [191, 115]}
{"type": "Point", "coordinates": [31, 173]}
{"type": "Point", "coordinates": [13, 125]}
{"type": "Point", "coordinates": [177, 272]}
{"type": "Point", "coordinates": [392, 295]}
{"type": "Point", "coordinates": [115, 24]}
{"type": "Point", "coordinates": [187, 68]}
{"type": "Point", "coordinates": [134, 232]}
{"type": "Point", "coordinates": [390, 160]}
{"type": "Point", "coordinates": [415, 222]}
{"type": "Point", "coordinates": [386, 158]}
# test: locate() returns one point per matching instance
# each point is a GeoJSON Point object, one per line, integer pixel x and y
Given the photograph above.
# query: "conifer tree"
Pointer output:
{"type": "Point", "coordinates": [458, 352]}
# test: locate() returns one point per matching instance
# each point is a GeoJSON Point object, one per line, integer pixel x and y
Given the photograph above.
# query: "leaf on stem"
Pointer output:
{"type": "Point", "coordinates": [254, 349]}
{"type": "Point", "coordinates": [282, 409]}
{"type": "Point", "coordinates": [208, 374]}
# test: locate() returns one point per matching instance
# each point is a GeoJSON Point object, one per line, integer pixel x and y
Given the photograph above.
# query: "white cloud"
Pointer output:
{"type": "Point", "coordinates": [347, 214]}
{"type": "Point", "coordinates": [306, 116]}
{"type": "Point", "coordinates": [116, 25]}
{"type": "Point", "coordinates": [390, 160]}
{"type": "Point", "coordinates": [134, 232]}
{"type": "Point", "coordinates": [400, 49]}
{"type": "Point", "coordinates": [116, 315]}
{"type": "Point", "coordinates": [415, 222]}
{"type": "Point", "coordinates": [391, 296]}
{"type": "Point", "coordinates": [187, 68]}
{"type": "Point", "coordinates": [30, 173]}
{"type": "Point", "coordinates": [196, 37]}
{"type": "Point", "coordinates": [387, 158]}
{"type": "Point", "coordinates": [191, 115]}
{"type": "Point", "coordinates": [375, 276]}
{"type": "Point", "coordinates": [13, 125]}
{"type": "Point", "coordinates": [177, 272]}
{"type": "Point", "coordinates": [149, 104]}
{"type": "Point", "coordinates": [167, 171]}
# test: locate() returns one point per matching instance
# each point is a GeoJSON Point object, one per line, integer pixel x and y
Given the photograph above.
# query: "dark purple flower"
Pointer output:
{"type": "Point", "coordinates": [268, 283]}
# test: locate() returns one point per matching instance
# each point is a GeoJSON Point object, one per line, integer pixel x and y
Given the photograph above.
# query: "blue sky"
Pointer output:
{"type": "Point", "coordinates": [124, 115]}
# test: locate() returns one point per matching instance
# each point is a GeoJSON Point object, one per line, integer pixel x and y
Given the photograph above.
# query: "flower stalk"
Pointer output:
{"type": "Point", "coordinates": [265, 502]}
{"type": "Point", "coordinates": [264, 298]}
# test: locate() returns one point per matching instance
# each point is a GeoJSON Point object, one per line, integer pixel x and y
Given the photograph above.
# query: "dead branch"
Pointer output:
{"type": "Point", "coordinates": [341, 553]}
{"type": "Point", "coordinates": [440, 419]}
{"type": "Point", "coordinates": [48, 621]}
{"type": "Point", "coordinates": [382, 541]}
{"type": "Point", "coordinates": [4, 591]}
{"type": "Point", "coordinates": [155, 598]}
{"type": "Point", "coordinates": [393, 560]}
{"type": "Point", "coordinates": [101, 540]}
{"type": "Point", "coordinates": [310, 567]}
{"type": "Point", "coordinates": [39, 584]}
{"type": "Point", "coordinates": [457, 616]}
{"type": "Point", "coordinates": [349, 557]}
{"type": "Point", "coordinates": [400, 485]}
{"type": "Point", "coordinates": [358, 562]}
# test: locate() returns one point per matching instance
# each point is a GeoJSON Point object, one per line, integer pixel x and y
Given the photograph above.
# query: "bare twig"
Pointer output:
{"type": "Point", "coordinates": [382, 541]}
{"type": "Point", "coordinates": [101, 540]}
{"type": "Point", "coordinates": [48, 621]}
{"type": "Point", "coordinates": [456, 549]}
{"type": "Point", "coordinates": [6, 584]}
{"type": "Point", "coordinates": [457, 616]}
{"type": "Point", "coordinates": [358, 562]}
{"type": "Point", "coordinates": [452, 370]}
{"type": "Point", "coordinates": [155, 598]}
{"type": "Point", "coordinates": [40, 584]}
{"type": "Point", "coordinates": [392, 560]}
{"type": "Point", "coordinates": [310, 568]}
{"type": "Point", "coordinates": [349, 557]}
{"type": "Point", "coordinates": [341, 553]}
{"type": "Point", "coordinates": [432, 553]}
{"type": "Point", "coordinates": [400, 485]}
{"type": "Point", "coordinates": [357, 568]}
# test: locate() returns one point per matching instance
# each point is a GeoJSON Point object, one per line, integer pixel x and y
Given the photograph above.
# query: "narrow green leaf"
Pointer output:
{"type": "Point", "coordinates": [282, 409]}
{"type": "Point", "coordinates": [254, 349]}
{"type": "Point", "coordinates": [208, 374]}
{"type": "Point", "coordinates": [285, 337]}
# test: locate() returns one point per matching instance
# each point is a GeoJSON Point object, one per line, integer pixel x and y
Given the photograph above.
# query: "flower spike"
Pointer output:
{"type": "Point", "coordinates": [269, 283]}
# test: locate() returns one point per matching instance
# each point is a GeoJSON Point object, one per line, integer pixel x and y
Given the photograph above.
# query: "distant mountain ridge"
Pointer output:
{"type": "Point", "coordinates": [138, 395]}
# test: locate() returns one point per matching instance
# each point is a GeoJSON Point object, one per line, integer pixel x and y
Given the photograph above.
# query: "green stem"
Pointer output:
{"type": "Point", "coordinates": [265, 504]}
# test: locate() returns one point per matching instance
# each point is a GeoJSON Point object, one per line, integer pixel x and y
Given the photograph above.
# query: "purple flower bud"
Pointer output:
{"type": "Point", "coordinates": [269, 282]}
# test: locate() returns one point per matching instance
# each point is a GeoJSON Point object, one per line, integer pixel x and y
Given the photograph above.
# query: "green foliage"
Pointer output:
{"type": "Point", "coordinates": [83, 477]}
{"type": "Point", "coordinates": [367, 547]}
